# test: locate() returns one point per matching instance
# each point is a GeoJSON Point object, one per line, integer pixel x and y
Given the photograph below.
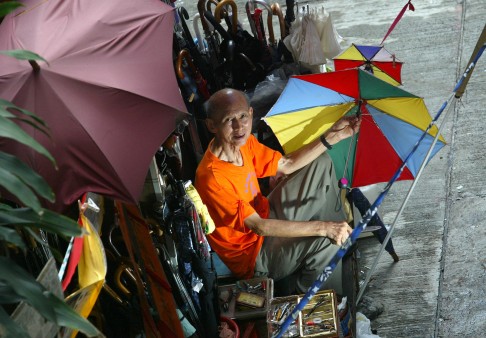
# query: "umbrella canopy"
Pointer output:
{"type": "Point", "coordinates": [374, 59]}
{"type": "Point", "coordinates": [108, 91]}
{"type": "Point", "coordinates": [392, 122]}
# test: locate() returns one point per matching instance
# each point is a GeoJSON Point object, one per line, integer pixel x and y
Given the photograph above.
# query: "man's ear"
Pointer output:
{"type": "Point", "coordinates": [211, 126]}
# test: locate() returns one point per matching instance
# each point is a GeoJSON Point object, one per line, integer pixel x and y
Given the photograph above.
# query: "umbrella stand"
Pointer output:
{"type": "Point", "coordinates": [369, 214]}
{"type": "Point", "coordinates": [457, 94]}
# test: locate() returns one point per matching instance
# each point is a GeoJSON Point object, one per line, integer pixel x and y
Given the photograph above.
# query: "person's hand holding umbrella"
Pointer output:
{"type": "Point", "coordinates": [345, 127]}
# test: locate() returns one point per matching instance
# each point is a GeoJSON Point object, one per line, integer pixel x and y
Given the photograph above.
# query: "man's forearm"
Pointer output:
{"type": "Point", "coordinates": [284, 228]}
{"type": "Point", "coordinates": [338, 232]}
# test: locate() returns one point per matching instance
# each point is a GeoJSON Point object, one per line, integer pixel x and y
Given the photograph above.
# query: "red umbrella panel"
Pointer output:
{"type": "Point", "coordinates": [108, 91]}
{"type": "Point", "coordinates": [374, 59]}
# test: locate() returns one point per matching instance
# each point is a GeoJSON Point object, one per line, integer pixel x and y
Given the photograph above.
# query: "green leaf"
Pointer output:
{"type": "Point", "coordinates": [8, 295]}
{"type": "Point", "coordinates": [11, 235]}
{"type": "Point", "coordinates": [11, 130]}
{"type": "Point", "coordinates": [49, 221]}
{"type": "Point", "coordinates": [8, 6]}
{"type": "Point", "coordinates": [5, 105]}
{"type": "Point", "coordinates": [19, 189]}
{"type": "Point", "coordinates": [10, 329]}
{"type": "Point", "coordinates": [45, 302]}
{"type": "Point", "coordinates": [21, 54]}
{"type": "Point", "coordinates": [24, 285]}
{"type": "Point", "coordinates": [27, 175]}
{"type": "Point", "coordinates": [66, 316]}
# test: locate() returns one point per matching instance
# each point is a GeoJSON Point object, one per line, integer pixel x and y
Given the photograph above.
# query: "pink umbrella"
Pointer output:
{"type": "Point", "coordinates": [108, 91]}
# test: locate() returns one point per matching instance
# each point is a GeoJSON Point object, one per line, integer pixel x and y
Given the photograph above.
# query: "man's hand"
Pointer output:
{"type": "Point", "coordinates": [343, 128]}
{"type": "Point", "coordinates": [338, 232]}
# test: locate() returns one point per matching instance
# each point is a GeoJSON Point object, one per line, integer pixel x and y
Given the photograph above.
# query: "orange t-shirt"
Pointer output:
{"type": "Point", "coordinates": [231, 194]}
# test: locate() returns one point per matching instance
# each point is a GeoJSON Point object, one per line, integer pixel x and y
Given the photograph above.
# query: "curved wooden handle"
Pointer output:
{"type": "Point", "coordinates": [184, 54]}
{"type": "Point", "coordinates": [278, 12]}
{"type": "Point", "coordinates": [220, 6]}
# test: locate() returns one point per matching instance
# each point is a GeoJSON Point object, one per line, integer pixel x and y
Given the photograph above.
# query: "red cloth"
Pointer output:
{"type": "Point", "coordinates": [75, 254]}
{"type": "Point", "coordinates": [231, 194]}
{"type": "Point", "coordinates": [409, 6]}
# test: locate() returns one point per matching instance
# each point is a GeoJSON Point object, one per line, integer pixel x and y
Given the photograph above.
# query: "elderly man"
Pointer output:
{"type": "Point", "coordinates": [289, 234]}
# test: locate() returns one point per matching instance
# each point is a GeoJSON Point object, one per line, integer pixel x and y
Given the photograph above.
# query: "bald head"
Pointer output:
{"type": "Point", "coordinates": [223, 100]}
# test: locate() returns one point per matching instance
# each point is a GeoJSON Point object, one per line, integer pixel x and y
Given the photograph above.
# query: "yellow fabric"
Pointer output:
{"type": "Point", "coordinates": [384, 76]}
{"type": "Point", "coordinates": [83, 301]}
{"type": "Point", "coordinates": [92, 263]}
{"type": "Point", "coordinates": [207, 222]}
{"type": "Point", "coordinates": [91, 272]}
{"type": "Point", "coordinates": [351, 53]}
{"type": "Point", "coordinates": [306, 126]}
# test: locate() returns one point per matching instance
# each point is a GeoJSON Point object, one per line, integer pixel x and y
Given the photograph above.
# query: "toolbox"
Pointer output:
{"type": "Point", "coordinates": [319, 318]}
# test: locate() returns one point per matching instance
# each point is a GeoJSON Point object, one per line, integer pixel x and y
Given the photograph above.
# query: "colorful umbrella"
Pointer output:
{"type": "Point", "coordinates": [108, 92]}
{"type": "Point", "coordinates": [374, 59]}
{"type": "Point", "coordinates": [392, 122]}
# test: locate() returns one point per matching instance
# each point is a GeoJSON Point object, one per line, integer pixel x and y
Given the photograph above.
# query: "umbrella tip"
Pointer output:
{"type": "Point", "coordinates": [35, 65]}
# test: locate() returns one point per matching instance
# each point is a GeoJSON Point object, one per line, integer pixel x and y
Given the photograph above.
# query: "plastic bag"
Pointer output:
{"type": "Point", "coordinates": [330, 39]}
{"type": "Point", "coordinates": [363, 327]}
{"type": "Point", "coordinates": [207, 222]}
{"type": "Point", "coordinates": [266, 94]}
{"type": "Point", "coordinates": [311, 52]}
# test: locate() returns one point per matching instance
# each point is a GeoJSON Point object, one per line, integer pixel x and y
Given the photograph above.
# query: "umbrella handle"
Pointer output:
{"type": "Point", "coordinates": [270, 13]}
{"type": "Point", "coordinates": [248, 61]}
{"type": "Point", "coordinates": [264, 4]}
{"type": "Point", "coordinates": [184, 15]}
{"type": "Point", "coordinates": [249, 9]}
{"type": "Point", "coordinates": [200, 9]}
{"type": "Point", "coordinates": [271, 35]}
{"type": "Point", "coordinates": [278, 12]}
{"type": "Point", "coordinates": [208, 4]}
{"type": "Point", "coordinates": [225, 12]}
{"type": "Point", "coordinates": [199, 37]}
{"type": "Point", "coordinates": [217, 26]}
{"type": "Point", "coordinates": [219, 8]}
{"type": "Point", "coordinates": [184, 54]}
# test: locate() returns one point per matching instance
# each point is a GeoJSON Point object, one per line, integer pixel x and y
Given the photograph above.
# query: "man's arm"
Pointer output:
{"type": "Point", "coordinates": [342, 129]}
{"type": "Point", "coordinates": [337, 232]}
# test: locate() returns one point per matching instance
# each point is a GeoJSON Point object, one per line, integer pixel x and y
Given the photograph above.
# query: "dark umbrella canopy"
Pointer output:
{"type": "Point", "coordinates": [108, 92]}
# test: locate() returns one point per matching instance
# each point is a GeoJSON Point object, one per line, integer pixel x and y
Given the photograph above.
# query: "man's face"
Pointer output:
{"type": "Point", "coordinates": [232, 126]}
